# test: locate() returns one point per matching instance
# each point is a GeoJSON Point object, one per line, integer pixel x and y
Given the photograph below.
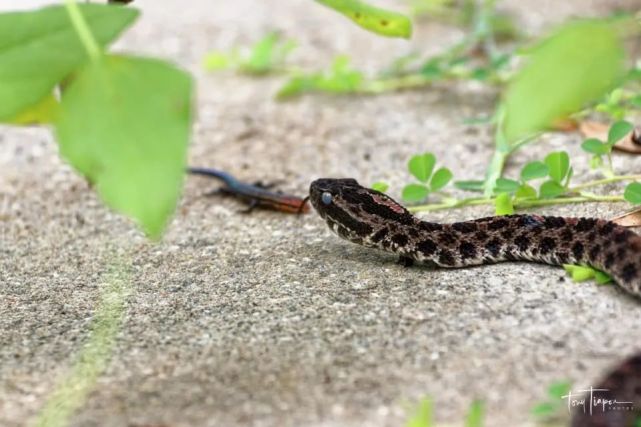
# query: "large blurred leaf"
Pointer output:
{"type": "Point", "coordinates": [124, 124]}
{"type": "Point", "coordinates": [40, 48]}
{"type": "Point", "coordinates": [578, 64]}
{"type": "Point", "coordinates": [380, 21]}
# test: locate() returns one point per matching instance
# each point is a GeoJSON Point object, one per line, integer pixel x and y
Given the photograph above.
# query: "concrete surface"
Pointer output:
{"type": "Point", "coordinates": [267, 319]}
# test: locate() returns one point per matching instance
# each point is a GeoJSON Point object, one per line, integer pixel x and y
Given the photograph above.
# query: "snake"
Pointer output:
{"type": "Point", "coordinates": [373, 219]}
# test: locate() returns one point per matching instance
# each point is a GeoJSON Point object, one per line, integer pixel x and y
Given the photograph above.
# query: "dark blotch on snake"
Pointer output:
{"type": "Point", "coordinates": [400, 239]}
{"type": "Point", "coordinates": [585, 224]}
{"type": "Point", "coordinates": [467, 249]}
{"type": "Point", "coordinates": [465, 227]}
{"type": "Point", "coordinates": [522, 242]}
{"type": "Point", "coordinates": [379, 235]}
{"type": "Point", "coordinates": [577, 250]}
{"type": "Point", "coordinates": [446, 257]}
{"type": "Point", "coordinates": [427, 247]}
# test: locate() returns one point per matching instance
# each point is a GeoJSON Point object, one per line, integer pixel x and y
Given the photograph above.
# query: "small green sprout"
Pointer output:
{"type": "Point", "coordinates": [553, 403]}
{"type": "Point", "coordinates": [422, 416]}
{"type": "Point", "coordinates": [267, 55]}
{"type": "Point", "coordinates": [560, 172]}
{"type": "Point", "coordinates": [599, 148]}
{"type": "Point", "coordinates": [503, 204]}
{"type": "Point", "coordinates": [380, 186]}
{"type": "Point", "coordinates": [421, 166]}
{"type": "Point", "coordinates": [340, 78]}
{"type": "Point", "coordinates": [581, 273]}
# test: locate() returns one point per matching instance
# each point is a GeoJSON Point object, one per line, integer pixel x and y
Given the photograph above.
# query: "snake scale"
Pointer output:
{"type": "Point", "coordinates": [373, 219]}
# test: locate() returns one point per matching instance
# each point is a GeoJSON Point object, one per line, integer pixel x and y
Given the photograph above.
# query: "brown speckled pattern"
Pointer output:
{"type": "Point", "coordinates": [373, 219]}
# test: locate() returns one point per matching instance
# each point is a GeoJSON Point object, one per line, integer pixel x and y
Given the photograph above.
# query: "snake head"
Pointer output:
{"type": "Point", "coordinates": [354, 212]}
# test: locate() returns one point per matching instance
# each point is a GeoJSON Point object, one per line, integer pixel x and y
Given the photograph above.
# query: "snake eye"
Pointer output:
{"type": "Point", "coordinates": [326, 198]}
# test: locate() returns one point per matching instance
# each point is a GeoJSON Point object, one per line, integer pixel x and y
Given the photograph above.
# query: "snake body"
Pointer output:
{"type": "Point", "coordinates": [373, 219]}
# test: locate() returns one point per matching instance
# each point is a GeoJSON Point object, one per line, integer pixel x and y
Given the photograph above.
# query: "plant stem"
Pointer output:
{"type": "Point", "coordinates": [517, 203]}
{"type": "Point", "coordinates": [82, 29]}
{"type": "Point", "coordinates": [616, 178]}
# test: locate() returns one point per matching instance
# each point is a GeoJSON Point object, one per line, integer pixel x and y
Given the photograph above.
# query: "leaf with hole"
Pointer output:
{"type": "Point", "coordinates": [377, 20]}
{"type": "Point", "coordinates": [415, 192]}
{"type": "Point", "coordinates": [577, 64]}
{"type": "Point", "coordinates": [534, 170]}
{"type": "Point", "coordinates": [440, 179]}
{"type": "Point", "coordinates": [124, 124]}
{"type": "Point", "coordinates": [40, 48]}
{"type": "Point", "coordinates": [558, 164]}
{"type": "Point", "coordinates": [632, 193]}
{"type": "Point", "coordinates": [421, 166]}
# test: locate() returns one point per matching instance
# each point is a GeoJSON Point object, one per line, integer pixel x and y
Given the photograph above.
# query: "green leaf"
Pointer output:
{"type": "Point", "coordinates": [578, 64]}
{"type": "Point", "coordinates": [340, 78]}
{"type": "Point", "coordinates": [469, 185]}
{"type": "Point", "coordinates": [551, 189]}
{"type": "Point", "coordinates": [596, 162]}
{"type": "Point", "coordinates": [525, 191]}
{"type": "Point", "coordinates": [475, 414]}
{"type": "Point", "coordinates": [545, 409]}
{"type": "Point", "coordinates": [595, 146]}
{"type": "Point", "coordinates": [632, 193]}
{"type": "Point", "coordinates": [40, 48]}
{"type": "Point", "coordinates": [422, 416]}
{"type": "Point", "coordinates": [261, 56]}
{"type": "Point", "coordinates": [602, 278]}
{"type": "Point", "coordinates": [421, 166]}
{"type": "Point", "coordinates": [618, 130]}
{"type": "Point", "coordinates": [503, 204]}
{"type": "Point", "coordinates": [217, 61]}
{"type": "Point", "coordinates": [579, 273]}
{"type": "Point", "coordinates": [534, 170]}
{"type": "Point", "coordinates": [379, 21]}
{"type": "Point", "coordinates": [559, 389]}
{"type": "Point", "coordinates": [415, 192]}
{"type": "Point", "coordinates": [504, 185]}
{"type": "Point", "coordinates": [42, 112]}
{"type": "Point", "coordinates": [440, 179]}
{"type": "Point", "coordinates": [266, 54]}
{"type": "Point", "coordinates": [558, 164]}
{"type": "Point", "coordinates": [380, 186]}
{"type": "Point", "coordinates": [125, 124]}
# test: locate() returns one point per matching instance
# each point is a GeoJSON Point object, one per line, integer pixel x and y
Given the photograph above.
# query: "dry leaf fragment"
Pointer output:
{"type": "Point", "coordinates": [592, 129]}
{"type": "Point", "coordinates": [629, 219]}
